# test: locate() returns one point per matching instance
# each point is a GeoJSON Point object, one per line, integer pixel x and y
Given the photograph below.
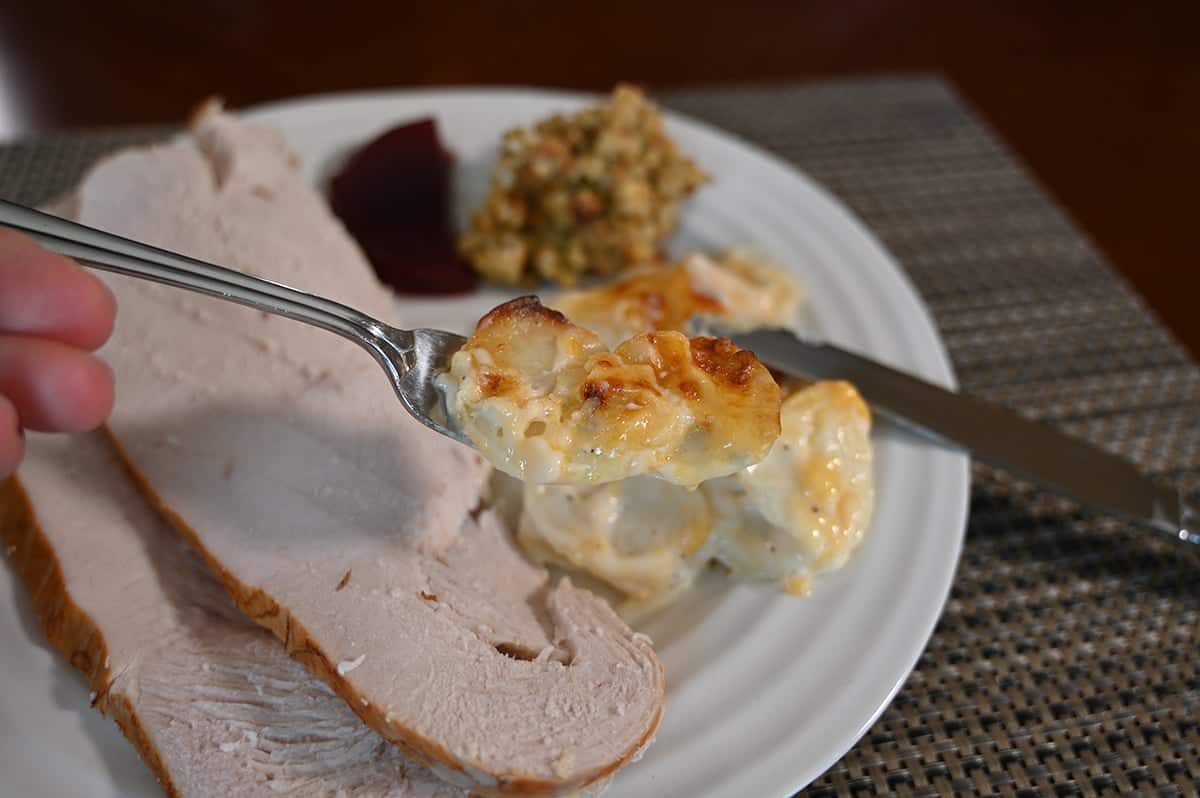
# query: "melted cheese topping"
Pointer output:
{"type": "Point", "coordinates": [744, 292]}
{"type": "Point", "coordinates": [803, 509]}
{"type": "Point", "coordinates": [545, 401]}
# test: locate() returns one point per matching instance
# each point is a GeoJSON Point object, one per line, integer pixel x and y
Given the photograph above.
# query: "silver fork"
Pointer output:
{"type": "Point", "coordinates": [410, 358]}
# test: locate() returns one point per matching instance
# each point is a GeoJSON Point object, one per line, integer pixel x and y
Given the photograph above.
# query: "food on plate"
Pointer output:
{"type": "Point", "coordinates": [546, 401]}
{"type": "Point", "coordinates": [741, 289]}
{"type": "Point", "coordinates": [257, 472]}
{"type": "Point", "coordinates": [212, 702]}
{"type": "Point", "coordinates": [801, 510]}
{"type": "Point", "coordinates": [394, 196]}
{"type": "Point", "coordinates": [362, 540]}
{"type": "Point", "coordinates": [593, 191]}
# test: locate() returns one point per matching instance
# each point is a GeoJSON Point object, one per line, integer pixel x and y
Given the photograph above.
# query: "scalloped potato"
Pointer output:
{"type": "Point", "coordinates": [547, 402]}
{"type": "Point", "coordinates": [801, 510]}
{"type": "Point", "coordinates": [742, 291]}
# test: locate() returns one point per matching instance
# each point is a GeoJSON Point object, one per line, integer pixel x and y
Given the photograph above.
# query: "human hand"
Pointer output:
{"type": "Point", "coordinates": [53, 313]}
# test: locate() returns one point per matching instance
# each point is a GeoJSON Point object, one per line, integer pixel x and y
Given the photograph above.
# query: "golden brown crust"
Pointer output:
{"type": "Point", "coordinates": [523, 308]}
{"type": "Point", "coordinates": [67, 626]}
{"type": "Point", "coordinates": [265, 611]}
{"type": "Point", "coordinates": [650, 298]}
{"type": "Point", "coordinates": [493, 384]}
{"type": "Point", "coordinates": [724, 360]}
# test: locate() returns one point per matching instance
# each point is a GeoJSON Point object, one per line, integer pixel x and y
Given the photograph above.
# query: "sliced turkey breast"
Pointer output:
{"type": "Point", "coordinates": [357, 536]}
{"type": "Point", "coordinates": [212, 702]}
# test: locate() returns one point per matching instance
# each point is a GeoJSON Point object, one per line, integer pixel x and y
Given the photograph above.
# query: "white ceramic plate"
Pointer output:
{"type": "Point", "coordinates": [764, 691]}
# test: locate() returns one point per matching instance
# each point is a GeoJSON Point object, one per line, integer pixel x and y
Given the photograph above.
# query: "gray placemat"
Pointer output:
{"type": "Point", "coordinates": [1067, 661]}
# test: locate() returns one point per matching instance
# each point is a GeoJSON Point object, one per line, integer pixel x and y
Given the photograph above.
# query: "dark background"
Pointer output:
{"type": "Point", "coordinates": [1101, 99]}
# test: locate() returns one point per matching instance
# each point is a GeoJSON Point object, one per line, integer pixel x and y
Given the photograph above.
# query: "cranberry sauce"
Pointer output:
{"type": "Point", "coordinates": [394, 197]}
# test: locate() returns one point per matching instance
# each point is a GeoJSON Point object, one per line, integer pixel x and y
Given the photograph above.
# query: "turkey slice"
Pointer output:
{"type": "Point", "coordinates": [212, 702]}
{"type": "Point", "coordinates": [354, 534]}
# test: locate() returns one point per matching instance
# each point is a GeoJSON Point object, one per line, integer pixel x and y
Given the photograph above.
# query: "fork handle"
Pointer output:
{"type": "Point", "coordinates": [113, 253]}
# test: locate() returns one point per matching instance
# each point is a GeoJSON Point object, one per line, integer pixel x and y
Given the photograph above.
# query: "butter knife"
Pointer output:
{"type": "Point", "coordinates": [994, 434]}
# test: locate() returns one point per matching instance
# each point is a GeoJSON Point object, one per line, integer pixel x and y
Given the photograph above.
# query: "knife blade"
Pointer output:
{"type": "Point", "coordinates": [992, 433]}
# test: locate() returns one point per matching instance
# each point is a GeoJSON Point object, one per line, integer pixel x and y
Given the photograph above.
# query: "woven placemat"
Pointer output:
{"type": "Point", "coordinates": [1067, 661]}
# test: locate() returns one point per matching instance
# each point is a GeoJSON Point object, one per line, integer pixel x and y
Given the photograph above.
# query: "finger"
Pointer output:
{"type": "Point", "coordinates": [54, 387]}
{"type": "Point", "coordinates": [12, 442]}
{"type": "Point", "coordinates": [51, 296]}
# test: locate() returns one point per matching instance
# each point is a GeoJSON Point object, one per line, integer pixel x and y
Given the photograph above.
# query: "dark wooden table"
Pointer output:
{"type": "Point", "coordinates": [1101, 98]}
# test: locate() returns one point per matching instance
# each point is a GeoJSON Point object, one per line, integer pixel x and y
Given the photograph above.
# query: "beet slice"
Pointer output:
{"type": "Point", "coordinates": [394, 197]}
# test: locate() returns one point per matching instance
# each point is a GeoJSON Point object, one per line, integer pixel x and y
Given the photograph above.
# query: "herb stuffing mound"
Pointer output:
{"type": "Point", "coordinates": [592, 192]}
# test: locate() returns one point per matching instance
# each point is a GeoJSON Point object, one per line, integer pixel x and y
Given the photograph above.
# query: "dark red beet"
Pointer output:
{"type": "Point", "coordinates": [393, 195]}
